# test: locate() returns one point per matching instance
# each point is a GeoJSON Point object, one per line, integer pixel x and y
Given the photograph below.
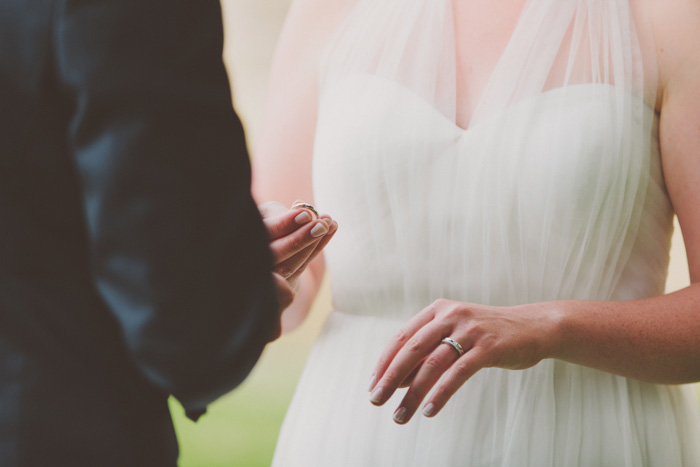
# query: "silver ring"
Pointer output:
{"type": "Point", "coordinates": [307, 206]}
{"type": "Point", "coordinates": [455, 345]}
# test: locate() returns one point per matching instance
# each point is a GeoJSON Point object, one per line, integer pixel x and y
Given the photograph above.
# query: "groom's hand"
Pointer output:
{"type": "Point", "coordinates": [297, 236]}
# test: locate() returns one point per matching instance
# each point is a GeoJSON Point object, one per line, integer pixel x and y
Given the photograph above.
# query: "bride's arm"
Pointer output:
{"type": "Point", "coordinates": [655, 339]}
{"type": "Point", "coordinates": [283, 150]}
{"type": "Point", "coordinates": [658, 339]}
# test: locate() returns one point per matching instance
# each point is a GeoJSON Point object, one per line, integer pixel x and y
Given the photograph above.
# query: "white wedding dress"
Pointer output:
{"type": "Point", "coordinates": [553, 191]}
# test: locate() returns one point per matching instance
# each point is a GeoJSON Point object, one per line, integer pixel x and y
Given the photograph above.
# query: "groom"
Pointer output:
{"type": "Point", "coordinates": [133, 261]}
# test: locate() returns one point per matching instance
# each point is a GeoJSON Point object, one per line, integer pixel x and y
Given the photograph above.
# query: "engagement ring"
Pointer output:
{"type": "Point", "coordinates": [454, 345]}
{"type": "Point", "coordinates": [307, 206]}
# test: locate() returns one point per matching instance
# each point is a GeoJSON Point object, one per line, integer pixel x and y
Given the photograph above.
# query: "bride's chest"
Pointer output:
{"type": "Point", "coordinates": [482, 31]}
{"type": "Point", "coordinates": [562, 150]}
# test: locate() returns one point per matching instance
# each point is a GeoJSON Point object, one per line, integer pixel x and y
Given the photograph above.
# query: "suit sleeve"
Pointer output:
{"type": "Point", "coordinates": [180, 254]}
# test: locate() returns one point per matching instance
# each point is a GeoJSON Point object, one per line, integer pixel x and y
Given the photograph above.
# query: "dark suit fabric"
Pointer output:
{"type": "Point", "coordinates": [133, 262]}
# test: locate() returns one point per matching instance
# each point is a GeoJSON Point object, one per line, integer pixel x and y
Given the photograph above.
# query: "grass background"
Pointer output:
{"type": "Point", "coordinates": [240, 430]}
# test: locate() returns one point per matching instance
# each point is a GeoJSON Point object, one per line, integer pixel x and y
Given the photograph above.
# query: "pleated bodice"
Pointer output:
{"type": "Point", "coordinates": [533, 204]}
{"type": "Point", "coordinates": [551, 190]}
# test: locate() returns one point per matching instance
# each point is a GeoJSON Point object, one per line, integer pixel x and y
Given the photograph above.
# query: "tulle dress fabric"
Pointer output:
{"type": "Point", "coordinates": [551, 190]}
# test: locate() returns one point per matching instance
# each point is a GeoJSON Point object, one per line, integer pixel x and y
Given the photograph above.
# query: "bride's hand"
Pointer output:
{"type": "Point", "coordinates": [505, 337]}
{"type": "Point", "coordinates": [297, 236]}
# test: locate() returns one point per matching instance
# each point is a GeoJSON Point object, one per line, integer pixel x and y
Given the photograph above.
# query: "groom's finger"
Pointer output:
{"type": "Point", "coordinates": [283, 224]}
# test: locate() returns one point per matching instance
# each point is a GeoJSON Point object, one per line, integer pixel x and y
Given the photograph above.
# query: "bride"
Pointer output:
{"type": "Point", "coordinates": [505, 175]}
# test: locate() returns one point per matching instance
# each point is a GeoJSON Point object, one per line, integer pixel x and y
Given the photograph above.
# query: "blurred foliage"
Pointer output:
{"type": "Point", "coordinates": [239, 430]}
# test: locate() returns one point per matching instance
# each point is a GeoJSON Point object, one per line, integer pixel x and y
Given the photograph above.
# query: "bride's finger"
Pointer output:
{"type": "Point", "coordinates": [283, 224]}
{"type": "Point", "coordinates": [289, 267]}
{"type": "Point", "coordinates": [398, 341]}
{"type": "Point", "coordinates": [285, 247]}
{"type": "Point", "coordinates": [332, 229]}
{"type": "Point", "coordinates": [318, 248]}
{"type": "Point", "coordinates": [422, 344]}
{"type": "Point", "coordinates": [409, 379]}
{"type": "Point", "coordinates": [426, 376]}
{"type": "Point", "coordinates": [460, 371]}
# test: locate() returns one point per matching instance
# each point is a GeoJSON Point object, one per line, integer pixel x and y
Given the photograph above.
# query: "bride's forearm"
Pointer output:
{"type": "Point", "coordinates": [307, 289]}
{"type": "Point", "coordinates": [655, 339]}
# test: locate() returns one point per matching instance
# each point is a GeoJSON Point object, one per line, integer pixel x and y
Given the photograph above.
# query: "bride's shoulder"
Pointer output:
{"type": "Point", "coordinates": [316, 19]}
{"type": "Point", "coordinates": [327, 7]}
{"type": "Point", "coordinates": [308, 27]}
{"type": "Point", "coordinates": [676, 28]}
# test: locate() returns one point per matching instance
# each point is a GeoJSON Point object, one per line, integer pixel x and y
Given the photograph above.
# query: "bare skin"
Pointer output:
{"type": "Point", "coordinates": [282, 165]}
{"type": "Point", "coordinates": [297, 236]}
{"type": "Point", "coordinates": [654, 340]}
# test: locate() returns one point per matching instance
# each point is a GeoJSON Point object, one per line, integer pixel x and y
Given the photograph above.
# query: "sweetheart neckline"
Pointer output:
{"type": "Point", "coordinates": [528, 101]}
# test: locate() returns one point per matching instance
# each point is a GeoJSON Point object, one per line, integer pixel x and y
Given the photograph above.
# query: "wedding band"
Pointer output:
{"type": "Point", "coordinates": [455, 345]}
{"type": "Point", "coordinates": [307, 206]}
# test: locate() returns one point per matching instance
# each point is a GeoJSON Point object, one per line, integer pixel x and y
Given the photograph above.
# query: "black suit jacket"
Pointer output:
{"type": "Point", "coordinates": [133, 261]}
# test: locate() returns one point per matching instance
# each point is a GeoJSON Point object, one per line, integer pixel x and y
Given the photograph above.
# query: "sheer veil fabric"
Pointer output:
{"type": "Point", "coordinates": [541, 182]}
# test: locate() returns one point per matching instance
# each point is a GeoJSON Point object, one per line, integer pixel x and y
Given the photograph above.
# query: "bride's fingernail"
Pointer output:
{"type": "Point", "coordinates": [319, 229]}
{"type": "Point", "coordinates": [400, 415]}
{"type": "Point", "coordinates": [376, 396]}
{"type": "Point", "coordinates": [333, 227]}
{"type": "Point", "coordinates": [303, 217]}
{"type": "Point", "coordinates": [372, 382]}
{"type": "Point", "coordinates": [429, 410]}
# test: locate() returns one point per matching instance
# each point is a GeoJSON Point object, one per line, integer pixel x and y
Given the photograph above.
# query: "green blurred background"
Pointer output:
{"type": "Point", "coordinates": [240, 430]}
